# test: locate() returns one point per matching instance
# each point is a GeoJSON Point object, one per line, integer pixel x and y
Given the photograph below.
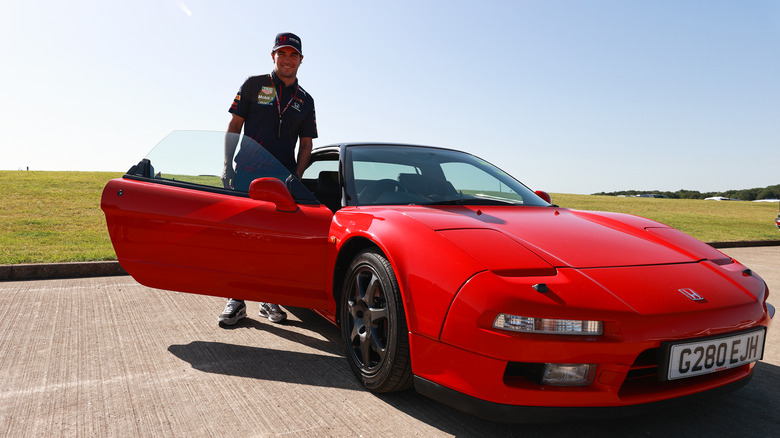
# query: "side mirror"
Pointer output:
{"type": "Point", "coordinates": [544, 195]}
{"type": "Point", "coordinates": [273, 190]}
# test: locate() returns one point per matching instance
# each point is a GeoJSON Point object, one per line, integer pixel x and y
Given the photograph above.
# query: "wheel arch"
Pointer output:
{"type": "Point", "coordinates": [346, 254]}
{"type": "Point", "coordinates": [429, 268]}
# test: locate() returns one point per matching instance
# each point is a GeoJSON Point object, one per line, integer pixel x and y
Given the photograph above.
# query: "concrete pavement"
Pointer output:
{"type": "Point", "coordinates": [105, 356]}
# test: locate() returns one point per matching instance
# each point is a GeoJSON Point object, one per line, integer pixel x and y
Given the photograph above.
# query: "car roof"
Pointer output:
{"type": "Point", "coordinates": [338, 146]}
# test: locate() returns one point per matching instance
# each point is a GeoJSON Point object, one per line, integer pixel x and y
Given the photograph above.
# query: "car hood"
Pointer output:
{"type": "Point", "coordinates": [570, 238]}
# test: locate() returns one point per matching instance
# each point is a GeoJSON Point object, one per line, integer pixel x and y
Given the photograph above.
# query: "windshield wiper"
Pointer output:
{"type": "Point", "coordinates": [473, 201]}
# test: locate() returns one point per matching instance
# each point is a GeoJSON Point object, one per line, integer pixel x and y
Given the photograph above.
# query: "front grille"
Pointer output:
{"type": "Point", "coordinates": [643, 377]}
{"type": "Point", "coordinates": [645, 367]}
{"type": "Point", "coordinates": [521, 371]}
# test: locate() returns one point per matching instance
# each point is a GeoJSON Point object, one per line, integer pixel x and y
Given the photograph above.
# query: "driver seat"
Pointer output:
{"type": "Point", "coordinates": [426, 185]}
{"type": "Point", "coordinates": [328, 189]}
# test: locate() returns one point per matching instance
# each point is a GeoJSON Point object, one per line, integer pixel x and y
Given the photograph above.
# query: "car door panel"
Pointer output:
{"type": "Point", "coordinates": [202, 242]}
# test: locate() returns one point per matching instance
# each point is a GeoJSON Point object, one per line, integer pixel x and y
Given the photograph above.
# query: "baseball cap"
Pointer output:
{"type": "Point", "coordinates": [287, 40]}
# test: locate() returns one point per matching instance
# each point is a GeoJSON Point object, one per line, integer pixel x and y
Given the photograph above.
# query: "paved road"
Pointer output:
{"type": "Point", "coordinates": [108, 357]}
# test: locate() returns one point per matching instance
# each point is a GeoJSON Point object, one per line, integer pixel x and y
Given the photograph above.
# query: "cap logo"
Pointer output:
{"type": "Point", "coordinates": [287, 39]}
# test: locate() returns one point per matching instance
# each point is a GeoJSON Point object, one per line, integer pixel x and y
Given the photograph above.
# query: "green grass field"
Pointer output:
{"type": "Point", "coordinates": [710, 221]}
{"type": "Point", "coordinates": [50, 217]}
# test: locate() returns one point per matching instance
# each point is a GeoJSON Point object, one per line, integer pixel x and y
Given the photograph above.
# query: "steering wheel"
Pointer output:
{"type": "Point", "coordinates": [371, 192]}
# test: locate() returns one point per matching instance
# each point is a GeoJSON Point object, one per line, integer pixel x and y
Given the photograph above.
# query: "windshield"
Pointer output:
{"type": "Point", "coordinates": [195, 159]}
{"type": "Point", "coordinates": [401, 175]}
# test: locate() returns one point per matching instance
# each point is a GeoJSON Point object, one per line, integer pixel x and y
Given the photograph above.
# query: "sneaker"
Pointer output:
{"type": "Point", "coordinates": [272, 312]}
{"type": "Point", "coordinates": [234, 311]}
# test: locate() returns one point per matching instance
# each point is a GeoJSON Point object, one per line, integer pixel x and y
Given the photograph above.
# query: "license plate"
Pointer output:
{"type": "Point", "coordinates": [694, 358]}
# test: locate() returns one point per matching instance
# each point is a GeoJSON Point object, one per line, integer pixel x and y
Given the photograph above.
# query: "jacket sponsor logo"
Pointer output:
{"type": "Point", "coordinates": [266, 95]}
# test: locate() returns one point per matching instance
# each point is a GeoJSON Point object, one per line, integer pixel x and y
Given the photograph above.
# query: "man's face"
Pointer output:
{"type": "Point", "coordinates": [286, 62]}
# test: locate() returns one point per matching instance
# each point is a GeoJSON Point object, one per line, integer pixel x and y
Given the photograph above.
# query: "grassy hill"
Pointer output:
{"type": "Point", "coordinates": [53, 217]}
{"type": "Point", "coordinates": [50, 217]}
{"type": "Point", "coordinates": [710, 221]}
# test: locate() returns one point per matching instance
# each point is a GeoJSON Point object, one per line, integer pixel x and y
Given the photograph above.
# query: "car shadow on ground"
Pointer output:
{"type": "Point", "coordinates": [267, 364]}
{"type": "Point", "coordinates": [749, 411]}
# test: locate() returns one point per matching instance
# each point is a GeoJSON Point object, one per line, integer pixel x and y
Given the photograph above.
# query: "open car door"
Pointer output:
{"type": "Point", "coordinates": [174, 226]}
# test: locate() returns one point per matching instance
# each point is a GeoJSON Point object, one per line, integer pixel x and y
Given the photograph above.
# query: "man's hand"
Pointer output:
{"type": "Point", "coordinates": [231, 141]}
{"type": "Point", "coordinates": [228, 176]}
{"type": "Point", "coordinates": [304, 155]}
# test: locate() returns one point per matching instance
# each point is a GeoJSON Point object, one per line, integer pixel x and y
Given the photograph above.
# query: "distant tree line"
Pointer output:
{"type": "Point", "coordinates": [770, 192]}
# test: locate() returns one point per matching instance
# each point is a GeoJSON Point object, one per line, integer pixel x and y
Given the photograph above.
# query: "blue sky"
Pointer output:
{"type": "Point", "coordinates": [568, 96]}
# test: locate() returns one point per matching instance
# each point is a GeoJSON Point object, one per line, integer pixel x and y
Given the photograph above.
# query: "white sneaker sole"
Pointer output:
{"type": "Point", "coordinates": [276, 317]}
{"type": "Point", "coordinates": [230, 321]}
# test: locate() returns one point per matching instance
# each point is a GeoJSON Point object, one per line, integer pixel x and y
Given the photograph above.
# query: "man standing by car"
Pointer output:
{"type": "Point", "coordinates": [274, 111]}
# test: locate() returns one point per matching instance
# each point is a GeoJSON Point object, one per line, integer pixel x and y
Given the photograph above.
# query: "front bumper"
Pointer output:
{"type": "Point", "coordinates": [540, 414]}
{"type": "Point", "coordinates": [497, 368]}
{"type": "Point", "coordinates": [496, 381]}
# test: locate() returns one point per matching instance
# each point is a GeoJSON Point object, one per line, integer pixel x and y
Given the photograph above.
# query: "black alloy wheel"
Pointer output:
{"type": "Point", "coordinates": [373, 324]}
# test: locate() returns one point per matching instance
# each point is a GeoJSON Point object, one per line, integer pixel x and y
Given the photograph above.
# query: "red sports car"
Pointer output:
{"type": "Point", "coordinates": [446, 274]}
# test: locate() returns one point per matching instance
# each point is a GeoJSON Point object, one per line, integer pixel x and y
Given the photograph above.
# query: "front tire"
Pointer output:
{"type": "Point", "coordinates": [373, 324]}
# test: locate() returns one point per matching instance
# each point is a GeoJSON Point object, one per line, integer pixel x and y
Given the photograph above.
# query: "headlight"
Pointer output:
{"type": "Point", "coordinates": [527, 324]}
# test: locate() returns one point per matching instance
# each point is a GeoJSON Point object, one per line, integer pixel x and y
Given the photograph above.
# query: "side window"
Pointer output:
{"type": "Point", "coordinates": [195, 160]}
{"type": "Point", "coordinates": [191, 157]}
{"type": "Point", "coordinates": [314, 169]}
